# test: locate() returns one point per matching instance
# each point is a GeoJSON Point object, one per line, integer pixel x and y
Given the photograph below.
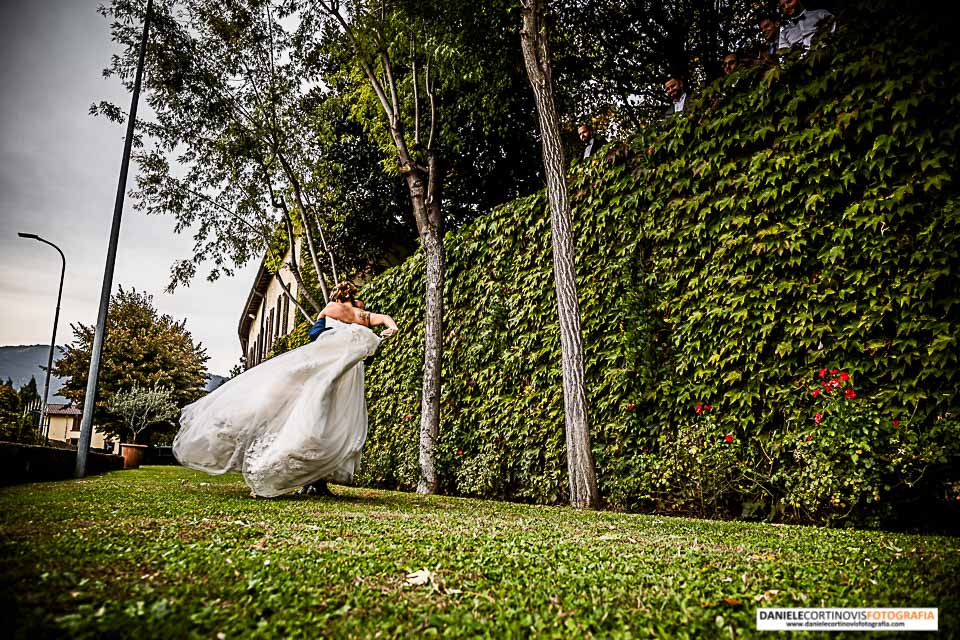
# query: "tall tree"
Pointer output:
{"type": "Point", "coordinates": [536, 55]}
{"type": "Point", "coordinates": [228, 154]}
{"type": "Point", "coordinates": [257, 129]}
{"type": "Point", "coordinates": [370, 34]}
{"type": "Point", "coordinates": [142, 347]}
{"type": "Point", "coordinates": [431, 82]}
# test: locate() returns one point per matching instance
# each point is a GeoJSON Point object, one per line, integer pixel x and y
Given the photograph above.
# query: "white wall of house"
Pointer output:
{"type": "Point", "coordinates": [66, 428]}
{"type": "Point", "coordinates": [275, 316]}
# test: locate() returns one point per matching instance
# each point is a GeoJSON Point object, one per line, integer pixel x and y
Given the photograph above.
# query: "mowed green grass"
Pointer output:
{"type": "Point", "coordinates": [165, 552]}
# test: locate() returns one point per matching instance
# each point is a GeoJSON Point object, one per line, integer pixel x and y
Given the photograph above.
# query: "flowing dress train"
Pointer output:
{"type": "Point", "coordinates": [295, 418]}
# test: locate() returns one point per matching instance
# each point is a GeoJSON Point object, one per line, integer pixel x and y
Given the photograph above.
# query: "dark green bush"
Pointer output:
{"type": "Point", "coordinates": [795, 217]}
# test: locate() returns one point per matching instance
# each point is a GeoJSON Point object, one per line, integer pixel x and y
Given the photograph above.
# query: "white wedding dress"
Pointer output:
{"type": "Point", "coordinates": [295, 418]}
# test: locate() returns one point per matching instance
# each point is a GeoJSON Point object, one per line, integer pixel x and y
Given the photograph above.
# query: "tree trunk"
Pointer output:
{"type": "Point", "coordinates": [424, 187]}
{"type": "Point", "coordinates": [426, 208]}
{"type": "Point", "coordinates": [536, 56]}
{"type": "Point", "coordinates": [432, 359]}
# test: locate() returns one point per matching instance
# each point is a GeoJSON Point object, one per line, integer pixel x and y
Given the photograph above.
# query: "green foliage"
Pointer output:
{"type": "Point", "coordinates": [847, 455]}
{"type": "Point", "coordinates": [612, 58]}
{"type": "Point", "coordinates": [167, 552]}
{"type": "Point", "coordinates": [795, 216]}
{"type": "Point", "coordinates": [140, 407]}
{"type": "Point", "coordinates": [142, 347]}
{"type": "Point", "coordinates": [16, 424]}
{"type": "Point", "coordinates": [28, 393]}
{"type": "Point", "coordinates": [696, 470]}
{"type": "Point", "coordinates": [485, 124]}
{"type": "Point", "coordinates": [9, 400]}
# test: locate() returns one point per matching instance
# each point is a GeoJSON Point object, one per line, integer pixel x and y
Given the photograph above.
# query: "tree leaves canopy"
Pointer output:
{"type": "Point", "coordinates": [142, 347]}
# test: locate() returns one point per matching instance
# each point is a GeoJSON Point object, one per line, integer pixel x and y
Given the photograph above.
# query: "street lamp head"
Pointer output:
{"type": "Point", "coordinates": [32, 236]}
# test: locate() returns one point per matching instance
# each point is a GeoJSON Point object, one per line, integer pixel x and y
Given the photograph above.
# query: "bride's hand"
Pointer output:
{"type": "Point", "coordinates": [386, 333]}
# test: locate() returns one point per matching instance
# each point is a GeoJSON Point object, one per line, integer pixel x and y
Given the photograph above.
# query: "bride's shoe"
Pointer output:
{"type": "Point", "coordinates": [316, 488]}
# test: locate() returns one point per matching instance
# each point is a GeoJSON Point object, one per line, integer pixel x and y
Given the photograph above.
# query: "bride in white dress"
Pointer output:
{"type": "Point", "coordinates": [296, 418]}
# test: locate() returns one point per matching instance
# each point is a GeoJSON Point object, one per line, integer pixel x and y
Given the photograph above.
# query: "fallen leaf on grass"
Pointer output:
{"type": "Point", "coordinates": [766, 596]}
{"type": "Point", "coordinates": [733, 601]}
{"type": "Point", "coordinates": [419, 577]}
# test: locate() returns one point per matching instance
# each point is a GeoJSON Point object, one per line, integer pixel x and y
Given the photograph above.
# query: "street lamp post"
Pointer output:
{"type": "Point", "coordinates": [90, 397]}
{"type": "Point", "coordinates": [53, 339]}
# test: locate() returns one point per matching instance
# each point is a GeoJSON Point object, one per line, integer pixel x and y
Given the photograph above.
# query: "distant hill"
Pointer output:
{"type": "Point", "coordinates": [213, 381]}
{"type": "Point", "coordinates": [20, 362]}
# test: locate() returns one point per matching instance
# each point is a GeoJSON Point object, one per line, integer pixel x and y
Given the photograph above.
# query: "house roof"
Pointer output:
{"type": "Point", "coordinates": [57, 409]}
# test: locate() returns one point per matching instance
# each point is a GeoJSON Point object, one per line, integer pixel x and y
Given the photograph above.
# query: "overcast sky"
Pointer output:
{"type": "Point", "coordinates": [59, 168]}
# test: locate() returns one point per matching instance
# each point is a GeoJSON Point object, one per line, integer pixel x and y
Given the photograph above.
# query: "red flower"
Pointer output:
{"type": "Point", "coordinates": [850, 393]}
{"type": "Point", "coordinates": [728, 437]}
{"type": "Point", "coordinates": [698, 409]}
{"type": "Point", "coordinates": [823, 373]}
{"type": "Point", "coordinates": [835, 383]}
{"type": "Point", "coordinates": [459, 452]}
{"type": "Point", "coordinates": [630, 407]}
{"type": "Point", "coordinates": [708, 407]}
{"type": "Point", "coordinates": [408, 417]}
{"type": "Point", "coordinates": [895, 423]}
{"type": "Point", "coordinates": [815, 393]}
{"type": "Point", "coordinates": [818, 418]}
{"type": "Point", "coordinates": [844, 376]}
{"type": "Point", "coordinates": [834, 372]}
{"type": "Point", "coordinates": [809, 438]}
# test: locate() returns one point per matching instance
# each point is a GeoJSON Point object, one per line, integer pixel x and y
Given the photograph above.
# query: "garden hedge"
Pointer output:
{"type": "Point", "coordinates": [796, 229]}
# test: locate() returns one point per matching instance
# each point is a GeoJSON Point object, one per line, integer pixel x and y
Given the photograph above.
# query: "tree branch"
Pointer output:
{"type": "Point", "coordinates": [298, 195]}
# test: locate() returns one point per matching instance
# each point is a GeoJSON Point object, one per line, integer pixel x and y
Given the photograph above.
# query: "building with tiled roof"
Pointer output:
{"type": "Point", "coordinates": [64, 425]}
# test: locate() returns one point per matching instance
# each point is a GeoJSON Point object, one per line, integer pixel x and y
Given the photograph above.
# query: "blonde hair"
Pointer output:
{"type": "Point", "coordinates": [343, 292]}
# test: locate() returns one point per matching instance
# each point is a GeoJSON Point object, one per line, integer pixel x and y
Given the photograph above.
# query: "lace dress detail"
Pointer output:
{"type": "Point", "coordinates": [295, 418]}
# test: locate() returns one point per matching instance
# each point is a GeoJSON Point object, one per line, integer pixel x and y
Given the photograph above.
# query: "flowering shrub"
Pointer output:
{"type": "Point", "coordinates": [697, 469]}
{"type": "Point", "coordinates": [846, 459]}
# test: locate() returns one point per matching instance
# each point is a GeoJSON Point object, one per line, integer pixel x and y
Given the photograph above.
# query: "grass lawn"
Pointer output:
{"type": "Point", "coordinates": [167, 552]}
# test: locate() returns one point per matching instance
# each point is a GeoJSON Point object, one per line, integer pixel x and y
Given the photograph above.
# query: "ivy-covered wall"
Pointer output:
{"type": "Point", "coordinates": [768, 295]}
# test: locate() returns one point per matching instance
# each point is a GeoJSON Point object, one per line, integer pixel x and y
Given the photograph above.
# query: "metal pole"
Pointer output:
{"type": "Point", "coordinates": [90, 397]}
{"type": "Point", "coordinates": [53, 339]}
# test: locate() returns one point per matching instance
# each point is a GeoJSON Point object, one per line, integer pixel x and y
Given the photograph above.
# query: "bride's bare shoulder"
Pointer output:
{"type": "Point", "coordinates": [338, 311]}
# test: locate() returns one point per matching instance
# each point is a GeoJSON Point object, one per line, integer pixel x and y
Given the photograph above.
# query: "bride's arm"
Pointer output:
{"type": "Point", "coordinates": [384, 320]}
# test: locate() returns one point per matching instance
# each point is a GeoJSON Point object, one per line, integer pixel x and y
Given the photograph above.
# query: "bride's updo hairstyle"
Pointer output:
{"type": "Point", "coordinates": [344, 292]}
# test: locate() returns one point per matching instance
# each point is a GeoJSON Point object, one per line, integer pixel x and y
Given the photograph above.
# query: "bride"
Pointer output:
{"type": "Point", "coordinates": [296, 418]}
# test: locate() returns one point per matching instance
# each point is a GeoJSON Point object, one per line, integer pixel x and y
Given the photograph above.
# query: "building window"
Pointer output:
{"type": "Point", "coordinates": [270, 332]}
{"type": "Point", "coordinates": [279, 313]}
{"type": "Point", "coordinates": [286, 315]}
